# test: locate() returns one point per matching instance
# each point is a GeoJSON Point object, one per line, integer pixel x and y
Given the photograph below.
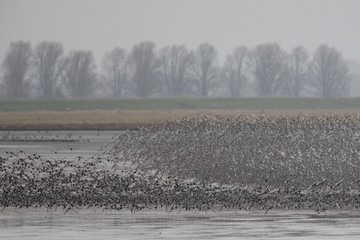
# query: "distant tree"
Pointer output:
{"type": "Point", "coordinates": [1, 79]}
{"type": "Point", "coordinates": [114, 67]}
{"type": "Point", "coordinates": [143, 69]}
{"type": "Point", "coordinates": [354, 86]}
{"type": "Point", "coordinates": [233, 71]}
{"type": "Point", "coordinates": [268, 67]}
{"type": "Point", "coordinates": [329, 72]}
{"type": "Point", "coordinates": [48, 67]}
{"type": "Point", "coordinates": [175, 64]}
{"type": "Point", "coordinates": [205, 68]}
{"type": "Point", "coordinates": [296, 72]}
{"type": "Point", "coordinates": [79, 73]}
{"type": "Point", "coordinates": [16, 70]}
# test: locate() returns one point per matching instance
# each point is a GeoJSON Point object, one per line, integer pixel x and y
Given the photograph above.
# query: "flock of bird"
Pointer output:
{"type": "Point", "coordinates": [248, 149]}
{"type": "Point", "coordinates": [203, 163]}
{"type": "Point", "coordinates": [39, 136]}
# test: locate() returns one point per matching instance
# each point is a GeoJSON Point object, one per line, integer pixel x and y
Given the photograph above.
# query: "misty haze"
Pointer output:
{"type": "Point", "coordinates": [158, 119]}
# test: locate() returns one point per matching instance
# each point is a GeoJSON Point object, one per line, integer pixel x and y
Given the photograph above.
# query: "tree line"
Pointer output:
{"type": "Point", "coordinates": [45, 71]}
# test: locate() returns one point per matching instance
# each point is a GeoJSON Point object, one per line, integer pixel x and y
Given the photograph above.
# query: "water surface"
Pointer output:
{"type": "Point", "coordinates": [158, 224]}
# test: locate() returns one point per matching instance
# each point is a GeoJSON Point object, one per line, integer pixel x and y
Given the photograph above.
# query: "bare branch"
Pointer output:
{"type": "Point", "coordinates": [16, 68]}
{"type": "Point", "coordinates": [297, 72]}
{"type": "Point", "coordinates": [114, 67]}
{"type": "Point", "coordinates": [205, 68]}
{"type": "Point", "coordinates": [233, 71]}
{"type": "Point", "coordinates": [268, 67]}
{"type": "Point", "coordinates": [330, 73]}
{"type": "Point", "coordinates": [48, 66]}
{"type": "Point", "coordinates": [174, 70]}
{"type": "Point", "coordinates": [79, 73]}
{"type": "Point", "coordinates": [143, 69]}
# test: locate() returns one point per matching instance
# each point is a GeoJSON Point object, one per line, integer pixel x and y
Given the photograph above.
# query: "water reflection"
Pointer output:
{"type": "Point", "coordinates": [67, 144]}
{"type": "Point", "coordinates": [94, 224]}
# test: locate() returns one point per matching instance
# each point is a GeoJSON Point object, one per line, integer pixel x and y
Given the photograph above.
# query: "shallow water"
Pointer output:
{"type": "Point", "coordinates": [58, 144]}
{"type": "Point", "coordinates": [94, 224]}
{"type": "Point", "coordinates": [151, 224]}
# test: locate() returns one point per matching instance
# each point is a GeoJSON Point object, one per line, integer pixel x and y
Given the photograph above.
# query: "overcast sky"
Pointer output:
{"type": "Point", "coordinates": [100, 25]}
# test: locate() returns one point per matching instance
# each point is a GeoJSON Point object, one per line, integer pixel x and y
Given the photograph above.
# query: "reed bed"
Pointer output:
{"type": "Point", "coordinates": [125, 119]}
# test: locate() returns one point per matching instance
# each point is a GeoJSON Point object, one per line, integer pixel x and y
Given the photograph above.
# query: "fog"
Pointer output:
{"type": "Point", "coordinates": [251, 48]}
{"type": "Point", "coordinates": [101, 25]}
{"type": "Point", "coordinates": [236, 118]}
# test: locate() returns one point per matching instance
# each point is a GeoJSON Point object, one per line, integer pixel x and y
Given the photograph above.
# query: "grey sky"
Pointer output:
{"type": "Point", "coordinates": [100, 25]}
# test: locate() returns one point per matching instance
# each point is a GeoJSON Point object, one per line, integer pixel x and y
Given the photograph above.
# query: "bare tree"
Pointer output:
{"type": "Point", "coordinates": [2, 92]}
{"type": "Point", "coordinates": [329, 71]}
{"type": "Point", "coordinates": [16, 69]}
{"type": "Point", "coordinates": [48, 66]}
{"type": "Point", "coordinates": [115, 69]}
{"type": "Point", "coordinates": [268, 67]}
{"type": "Point", "coordinates": [143, 69]}
{"type": "Point", "coordinates": [233, 71]}
{"type": "Point", "coordinates": [296, 72]}
{"type": "Point", "coordinates": [174, 70]}
{"type": "Point", "coordinates": [205, 68]}
{"type": "Point", "coordinates": [79, 73]}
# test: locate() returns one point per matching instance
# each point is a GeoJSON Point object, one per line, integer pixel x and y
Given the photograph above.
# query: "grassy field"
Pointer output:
{"type": "Point", "coordinates": [109, 114]}
{"type": "Point", "coordinates": [189, 103]}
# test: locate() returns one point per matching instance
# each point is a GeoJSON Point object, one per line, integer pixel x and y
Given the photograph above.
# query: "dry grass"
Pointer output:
{"type": "Point", "coordinates": [124, 119]}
